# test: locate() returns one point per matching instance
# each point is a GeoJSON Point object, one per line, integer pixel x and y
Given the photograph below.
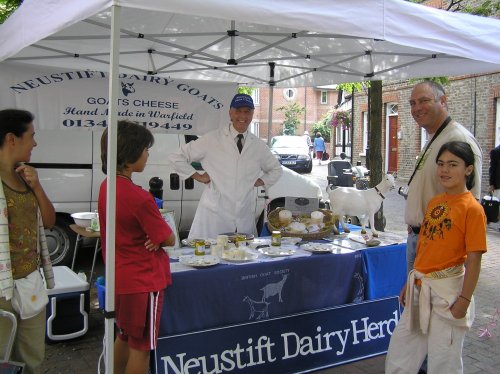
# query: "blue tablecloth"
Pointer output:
{"type": "Point", "coordinates": [385, 270]}
{"type": "Point", "coordinates": [229, 294]}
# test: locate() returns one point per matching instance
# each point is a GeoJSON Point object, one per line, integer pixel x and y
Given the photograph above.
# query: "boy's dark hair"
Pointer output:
{"type": "Point", "coordinates": [15, 121]}
{"type": "Point", "coordinates": [132, 139]}
{"type": "Point", "coordinates": [463, 151]}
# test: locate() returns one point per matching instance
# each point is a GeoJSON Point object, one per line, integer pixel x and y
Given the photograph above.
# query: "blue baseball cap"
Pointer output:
{"type": "Point", "coordinates": [242, 100]}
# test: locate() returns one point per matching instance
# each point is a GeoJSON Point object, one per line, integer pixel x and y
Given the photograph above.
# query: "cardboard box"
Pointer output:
{"type": "Point", "coordinates": [68, 307]}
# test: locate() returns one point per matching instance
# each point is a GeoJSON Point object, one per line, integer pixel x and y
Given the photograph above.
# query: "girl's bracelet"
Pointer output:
{"type": "Point", "coordinates": [463, 297]}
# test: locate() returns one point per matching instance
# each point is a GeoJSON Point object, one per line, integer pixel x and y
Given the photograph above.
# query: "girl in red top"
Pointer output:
{"type": "Point", "coordinates": [142, 270]}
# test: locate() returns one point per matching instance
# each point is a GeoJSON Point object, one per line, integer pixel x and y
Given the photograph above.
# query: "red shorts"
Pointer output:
{"type": "Point", "coordinates": [138, 318]}
{"type": "Point", "coordinates": [319, 155]}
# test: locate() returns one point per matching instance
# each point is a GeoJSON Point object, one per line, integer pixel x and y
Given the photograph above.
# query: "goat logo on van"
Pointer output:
{"type": "Point", "coordinates": [127, 88]}
{"type": "Point", "coordinates": [259, 309]}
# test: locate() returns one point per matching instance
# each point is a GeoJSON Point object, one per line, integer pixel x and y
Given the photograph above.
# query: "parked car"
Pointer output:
{"type": "Point", "coordinates": [292, 152]}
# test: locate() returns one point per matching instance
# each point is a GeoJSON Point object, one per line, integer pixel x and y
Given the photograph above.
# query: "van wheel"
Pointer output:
{"type": "Point", "coordinates": [61, 241]}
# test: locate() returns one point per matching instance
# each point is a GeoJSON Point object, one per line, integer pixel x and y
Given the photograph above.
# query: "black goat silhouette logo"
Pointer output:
{"type": "Point", "coordinates": [127, 88]}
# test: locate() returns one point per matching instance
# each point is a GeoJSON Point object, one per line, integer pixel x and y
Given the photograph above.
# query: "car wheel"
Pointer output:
{"type": "Point", "coordinates": [61, 241]}
{"type": "Point", "coordinates": [309, 168]}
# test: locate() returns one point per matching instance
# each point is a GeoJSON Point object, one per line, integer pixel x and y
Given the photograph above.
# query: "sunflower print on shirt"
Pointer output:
{"type": "Point", "coordinates": [436, 221]}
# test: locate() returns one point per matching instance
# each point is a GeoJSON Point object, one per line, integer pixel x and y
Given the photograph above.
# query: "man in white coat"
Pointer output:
{"type": "Point", "coordinates": [235, 162]}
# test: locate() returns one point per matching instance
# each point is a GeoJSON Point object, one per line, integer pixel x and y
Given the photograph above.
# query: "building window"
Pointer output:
{"type": "Point", "coordinates": [324, 97]}
{"type": "Point", "coordinates": [289, 93]}
{"type": "Point", "coordinates": [255, 128]}
{"type": "Point", "coordinates": [256, 96]}
{"type": "Point", "coordinates": [497, 127]}
{"type": "Point", "coordinates": [365, 132]}
{"type": "Point", "coordinates": [393, 110]}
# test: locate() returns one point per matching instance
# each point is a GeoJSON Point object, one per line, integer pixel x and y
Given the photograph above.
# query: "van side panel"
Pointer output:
{"type": "Point", "coordinates": [64, 163]}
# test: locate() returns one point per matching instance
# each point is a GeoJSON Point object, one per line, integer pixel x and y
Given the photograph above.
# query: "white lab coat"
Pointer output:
{"type": "Point", "coordinates": [228, 202]}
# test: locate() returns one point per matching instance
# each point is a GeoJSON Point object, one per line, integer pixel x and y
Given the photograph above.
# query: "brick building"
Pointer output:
{"type": "Point", "coordinates": [473, 100]}
{"type": "Point", "coordinates": [315, 101]}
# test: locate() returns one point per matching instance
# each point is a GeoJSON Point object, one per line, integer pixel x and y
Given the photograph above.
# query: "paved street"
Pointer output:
{"type": "Point", "coordinates": [481, 351]}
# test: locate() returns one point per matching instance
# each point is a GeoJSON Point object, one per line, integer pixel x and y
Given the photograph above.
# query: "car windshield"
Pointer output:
{"type": "Point", "coordinates": [289, 142]}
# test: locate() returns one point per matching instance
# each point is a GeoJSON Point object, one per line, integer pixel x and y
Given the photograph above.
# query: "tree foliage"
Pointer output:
{"type": "Point", "coordinates": [323, 128]}
{"type": "Point", "coordinates": [246, 90]}
{"type": "Point", "coordinates": [488, 8]}
{"type": "Point", "coordinates": [292, 112]}
{"type": "Point", "coordinates": [7, 7]}
{"type": "Point", "coordinates": [356, 86]}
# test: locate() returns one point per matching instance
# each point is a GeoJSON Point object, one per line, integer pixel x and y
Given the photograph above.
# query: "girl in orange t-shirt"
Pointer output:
{"type": "Point", "coordinates": [439, 308]}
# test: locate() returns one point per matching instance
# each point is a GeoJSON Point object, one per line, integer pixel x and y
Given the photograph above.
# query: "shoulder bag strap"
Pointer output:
{"type": "Point", "coordinates": [441, 128]}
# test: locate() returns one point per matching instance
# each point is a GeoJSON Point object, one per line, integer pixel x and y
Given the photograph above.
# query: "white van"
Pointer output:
{"type": "Point", "coordinates": [69, 167]}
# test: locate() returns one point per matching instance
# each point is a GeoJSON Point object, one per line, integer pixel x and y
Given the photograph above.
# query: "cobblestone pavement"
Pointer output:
{"type": "Point", "coordinates": [481, 351]}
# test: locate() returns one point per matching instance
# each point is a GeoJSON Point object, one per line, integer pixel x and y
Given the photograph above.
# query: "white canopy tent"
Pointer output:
{"type": "Point", "coordinates": [286, 43]}
{"type": "Point", "coordinates": [311, 43]}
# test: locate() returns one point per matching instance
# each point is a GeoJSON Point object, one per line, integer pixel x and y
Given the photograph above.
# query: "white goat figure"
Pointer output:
{"type": "Point", "coordinates": [272, 289]}
{"type": "Point", "coordinates": [361, 203]}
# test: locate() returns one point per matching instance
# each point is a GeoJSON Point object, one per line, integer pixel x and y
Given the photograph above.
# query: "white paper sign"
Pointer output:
{"type": "Point", "coordinates": [301, 205]}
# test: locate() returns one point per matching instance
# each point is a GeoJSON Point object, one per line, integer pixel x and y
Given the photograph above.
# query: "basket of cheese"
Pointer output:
{"type": "Point", "coordinates": [316, 225]}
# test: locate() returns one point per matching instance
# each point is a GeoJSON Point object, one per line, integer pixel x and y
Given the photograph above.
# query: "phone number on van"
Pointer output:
{"type": "Point", "coordinates": [148, 124]}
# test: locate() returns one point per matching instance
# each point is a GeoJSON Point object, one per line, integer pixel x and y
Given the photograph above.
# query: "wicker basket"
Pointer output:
{"type": "Point", "coordinates": [274, 224]}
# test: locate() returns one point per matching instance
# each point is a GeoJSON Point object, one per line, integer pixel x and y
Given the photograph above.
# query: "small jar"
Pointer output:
{"type": "Point", "coordinates": [199, 247]}
{"type": "Point", "coordinates": [94, 222]}
{"type": "Point", "coordinates": [276, 238]}
{"type": "Point", "coordinates": [240, 240]}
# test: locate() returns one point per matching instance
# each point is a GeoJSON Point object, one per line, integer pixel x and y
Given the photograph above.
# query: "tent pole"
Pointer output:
{"type": "Point", "coordinates": [111, 188]}
{"type": "Point", "coordinates": [270, 112]}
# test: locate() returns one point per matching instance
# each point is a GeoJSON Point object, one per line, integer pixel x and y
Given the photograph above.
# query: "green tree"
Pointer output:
{"type": "Point", "coordinates": [488, 8]}
{"type": "Point", "coordinates": [246, 90]}
{"type": "Point", "coordinates": [7, 7]}
{"type": "Point", "coordinates": [292, 112]}
{"type": "Point", "coordinates": [323, 127]}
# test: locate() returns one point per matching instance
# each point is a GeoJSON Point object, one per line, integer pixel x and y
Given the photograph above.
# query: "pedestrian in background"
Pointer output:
{"type": "Point", "coordinates": [142, 267]}
{"type": "Point", "coordinates": [25, 211]}
{"type": "Point", "coordinates": [438, 301]}
{"type": "Point", "coordinates": [309, 142]}
{"type": "Point", "coordinates": [319, 146]}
